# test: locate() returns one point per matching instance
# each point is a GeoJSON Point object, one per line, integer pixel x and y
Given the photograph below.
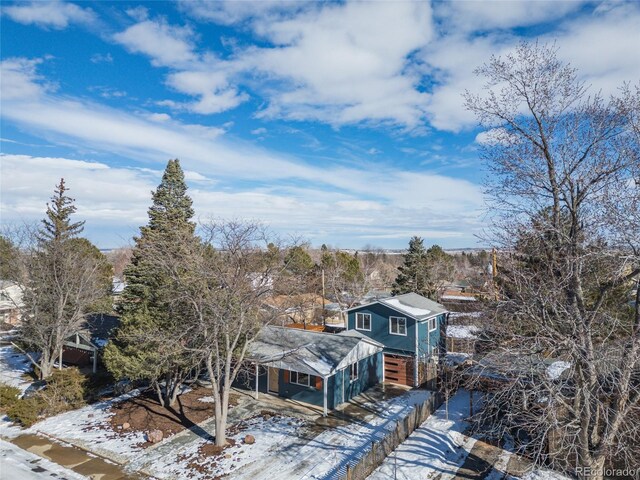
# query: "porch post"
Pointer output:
{"type": "Point", "coordinates": [417, 356]}
{"type": "Point", "coordinates": [95, 360]}
{"type": "Point", "coordinates": [60, 359]}
{"type": "Point", "coordinates": [324, 388]}
{"type": "Point", "coordinates": [257, 380]}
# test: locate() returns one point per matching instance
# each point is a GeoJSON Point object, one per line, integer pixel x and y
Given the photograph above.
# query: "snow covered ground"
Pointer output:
{"type": "Point", "coordinates": [463, 331]}
{"type": "Point", "coordinates": [326, 455]}
{"type": "Point", "coordinates": [18, 464]}
{"type": "Point", "coordinates": [439, 448]}
{"type": "Point", "coordinates": [284, 448]}
{"type": "Point", "coordinates": [13, 366]}
{"type": "Point", "coordinates": [89, 428]}
{"type": "Point", "coordinates": [434, 448]}
{"type": "Point", "coordinates": [269, 434]}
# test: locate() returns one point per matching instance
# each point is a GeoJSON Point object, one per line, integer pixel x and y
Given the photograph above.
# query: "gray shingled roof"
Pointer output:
{"type": "Point", "coordinates": [306, 351]}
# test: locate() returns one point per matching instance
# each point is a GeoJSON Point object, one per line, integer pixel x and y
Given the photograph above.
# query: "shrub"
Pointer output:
{"type": "Point", "coordinates": [8, 397]}
{"type": "Point", "coordinates": [26, 412]}
{"type": "Point", "coordinates": [65, 391]}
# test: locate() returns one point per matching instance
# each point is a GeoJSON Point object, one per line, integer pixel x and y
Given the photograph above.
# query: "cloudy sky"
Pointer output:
{"type": "Point", "coordinates": [341, 122]}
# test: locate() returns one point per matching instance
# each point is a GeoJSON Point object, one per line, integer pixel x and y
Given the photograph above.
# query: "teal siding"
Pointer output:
{"type": "Point", "coordinates": [404, 345]}
{"type": "Point", "coordinates": [428, 341]}
{"type": "Point", "coordinates": [369, 374]}
{"type": "Point", "coordinates": [380, 314]}
{"type": "Point", "coordinates": [301, 393]}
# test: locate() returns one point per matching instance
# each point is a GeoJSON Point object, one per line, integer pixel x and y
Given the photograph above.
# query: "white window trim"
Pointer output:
{"type": "Point", "coordinates": [435, 324]}
{"type": "Point", "coordinates": [391, 332]}
{"type": "Point", "coordinates": [296, 382]}
{"type": "Point", "coordinates": [351, 379]}
{"type": "Point", "coordinates": [370, 320]}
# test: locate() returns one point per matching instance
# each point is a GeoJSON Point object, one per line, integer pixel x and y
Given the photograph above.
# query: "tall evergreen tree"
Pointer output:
{"type": "Point", "coordinates": [65, 278]}
{"type": "Point", "coordinates": [413, 274]}
{"type": "Point", "coordinates": [424, 271]}
{"type": "Point", "coordinates": [152, 342]}
{"type": "Point", "coordinates": [57, 227]}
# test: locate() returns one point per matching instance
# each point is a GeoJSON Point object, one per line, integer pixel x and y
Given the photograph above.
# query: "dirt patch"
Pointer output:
{"type": "Point", "coordinates": [144, 413]}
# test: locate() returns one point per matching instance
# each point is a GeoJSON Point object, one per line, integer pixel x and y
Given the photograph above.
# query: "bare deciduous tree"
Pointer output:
{"type": "Point", "coordinates": [564, 189]}
{"type": "Point", "coordinates": [228, 292]}
{"type": "Point", "coordinates": [63, 278]}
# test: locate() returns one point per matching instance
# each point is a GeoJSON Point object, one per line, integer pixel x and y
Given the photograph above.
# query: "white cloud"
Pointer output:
{"type": "Point", "coordinates": [54, 14]}
{"type": "Point", "coordinates": [603, 46]}
{"type": "Point", "coordinates": [345, 64]}
{"type": "Point", "coordinates": [101, 58]}
{"type": "Point", "coordinates": [259, 131]}
{"type": "Point", "coordinates": [20, 80]}
{"type": "Point", "coordinates": [103, 194]}
{"type": "Point", "coordinates": [250, 182]}
{"type": "Point", "coordinates": [229, 12]}
{"type": "Point", "coordinates": [158, 117]}
{"type": "Point", "coordinates": [216, 95]}
{"type": "Point", "coordinates": [335, 63]}
{"type": "Point", "coordinates": [486, 15]}
{"type": "Point", "coordinates": [167, 45]}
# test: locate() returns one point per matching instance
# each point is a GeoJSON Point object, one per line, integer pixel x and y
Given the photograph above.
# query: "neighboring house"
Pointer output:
{"type": "Point", "coordinates": [322, 369]}
{"type": "Point", "coordinates": [462, 338]}
{"type": "Point", "coordinates": [410, 327]}
{"type": "Point", "coordinates": [84, 347]}
{"type": "Point", "coordinates": [10, 302]}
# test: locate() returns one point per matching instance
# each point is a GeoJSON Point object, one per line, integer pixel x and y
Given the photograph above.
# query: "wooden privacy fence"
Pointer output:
{"type": "Point", "coordinates": [380, 450]}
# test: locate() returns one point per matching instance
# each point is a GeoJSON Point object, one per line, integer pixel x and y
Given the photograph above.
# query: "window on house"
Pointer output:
{"type": "Point", "coordinates": [433, 324]}
{"type": "Point", "coordinates": [398, 325]}
{"type": "Point", "coordinates": [300, 378]}
{"type": "Point", "coordinates": [353, 374]}
{"type": "Point", "coordinates": [363, 321]}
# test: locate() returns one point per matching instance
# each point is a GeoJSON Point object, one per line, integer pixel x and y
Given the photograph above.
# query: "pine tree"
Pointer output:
{"type": "Point", "coordinates": [152, 341]}
{"type": "Point", "coordinates": [57, 227]}
{"type": "Point", "coordinates": [66, 277]}
{"type": "Point", "coordinates": [413, 276]}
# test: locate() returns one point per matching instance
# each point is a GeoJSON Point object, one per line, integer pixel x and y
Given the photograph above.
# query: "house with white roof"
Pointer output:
{"type": "Point", "coordinates": [411, 328]}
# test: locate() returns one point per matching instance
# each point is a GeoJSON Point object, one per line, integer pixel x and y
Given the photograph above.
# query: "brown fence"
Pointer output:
{"type": "Point", "coordinates": [378, 451]}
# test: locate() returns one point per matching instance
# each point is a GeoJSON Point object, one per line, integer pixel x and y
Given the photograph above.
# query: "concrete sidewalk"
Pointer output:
{"type": "Point", "coordinates": [73, 458]}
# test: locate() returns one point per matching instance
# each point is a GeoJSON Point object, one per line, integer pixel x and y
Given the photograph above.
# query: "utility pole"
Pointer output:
{"type": "Point", "coordinates": [324, 319]}
{"type": "Point", "coordinates": [494, 272]}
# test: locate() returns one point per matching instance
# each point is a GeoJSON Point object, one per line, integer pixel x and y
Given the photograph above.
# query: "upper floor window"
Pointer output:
{"type": "Point", "coordinates": [433, 323]}
{"type": "Point", "coordinates": [363, 321]}
{"type": "Point", "coordinates": [398, 326]}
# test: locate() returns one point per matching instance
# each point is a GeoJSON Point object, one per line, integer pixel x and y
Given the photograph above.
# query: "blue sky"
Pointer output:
{"type": "Point", "coordinates": [338, 122]}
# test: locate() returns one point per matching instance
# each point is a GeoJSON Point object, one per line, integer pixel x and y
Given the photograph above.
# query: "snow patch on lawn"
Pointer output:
{"type": "Point", "coordinates": [556, 368]}
{"type": "Point", "coordinates": [89, 428]}
{"type": "Point", "coordinates": [208, 399]}
{"type": "Point", "coordinates": [268, 433]}
{"type": "Point", "coordinates": [14, 365]}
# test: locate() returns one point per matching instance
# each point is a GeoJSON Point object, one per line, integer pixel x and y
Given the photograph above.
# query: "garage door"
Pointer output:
{"type": "Point", "coordinates": [398, 369]}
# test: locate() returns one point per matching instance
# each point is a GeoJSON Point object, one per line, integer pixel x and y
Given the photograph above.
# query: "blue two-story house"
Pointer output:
{"type": "Point", "coordinates": [410, 327]}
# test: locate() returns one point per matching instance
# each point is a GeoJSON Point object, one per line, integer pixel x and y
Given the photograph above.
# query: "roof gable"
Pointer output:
{"type": "Point", "coordinates": [306, 351]}
{"type": "Point", "coordinates": [410, 304]}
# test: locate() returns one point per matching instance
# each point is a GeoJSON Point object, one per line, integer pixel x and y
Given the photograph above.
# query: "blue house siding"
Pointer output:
{"type": "Point", "coordinates": [301, 393]}
{"type": "Point", "coordinates": [369, 374]}
{"type": "Point", "coordinates": [428, 341]}
{"type": "Point", "coordinates": [397, 344]}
